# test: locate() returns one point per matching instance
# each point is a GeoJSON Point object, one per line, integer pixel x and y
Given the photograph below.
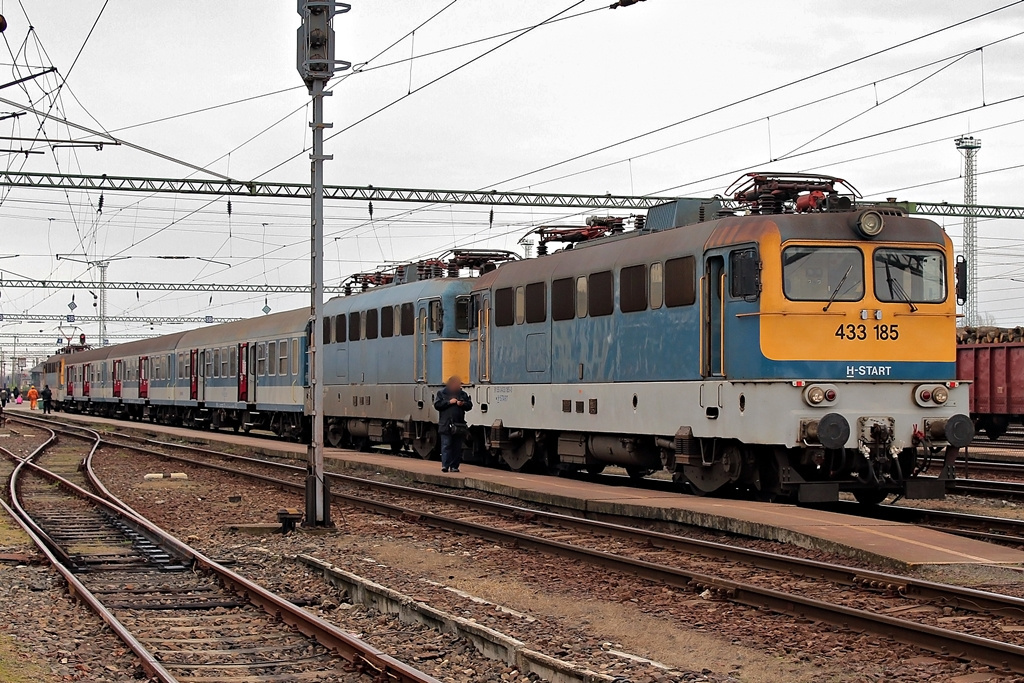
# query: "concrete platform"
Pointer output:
{"type": "Point", "coordinates": [894, 543]}
{"type": "Point", "coordinates": [898, 545]}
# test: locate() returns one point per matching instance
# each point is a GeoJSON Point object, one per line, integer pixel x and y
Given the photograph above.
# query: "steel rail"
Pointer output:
{"type": "Point", "coordinates": [927, 637]}
{"type": "Point", "coordinates": [150, 666]}
{"type": "Point", "coordinates": [362, 655]}
{"type": "Point", "coordinates": [947, 595]}
{"type": "Point", "coordinates": [987, 488]}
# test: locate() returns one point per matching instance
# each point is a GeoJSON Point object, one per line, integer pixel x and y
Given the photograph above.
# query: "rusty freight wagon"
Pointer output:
{"type": "Point", "coordinates": [992, 360]}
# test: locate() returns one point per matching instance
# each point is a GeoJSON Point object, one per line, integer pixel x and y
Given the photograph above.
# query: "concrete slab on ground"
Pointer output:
{"type": "Point", "coordinates": [893, 543]}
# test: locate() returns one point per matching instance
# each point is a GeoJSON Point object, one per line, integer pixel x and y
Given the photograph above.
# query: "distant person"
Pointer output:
{"type": "Point", "coordinates": [47, 396]}
{"type": "Point", "coordinates": [33, 397]}
{"type": "Point", "coordinates": [5, 396]}
{"type": "Point", "coordinates": [17, 394]}
{"type": "Point", "coordinates": [452, 404]}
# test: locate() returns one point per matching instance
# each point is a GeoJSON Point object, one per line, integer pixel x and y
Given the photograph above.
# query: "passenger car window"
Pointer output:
{"type": "Point", "coordinates": [680, 281]}
{"type": "Point", "coordinates": [633, 289]}
{"type": "Point", "coordinates": [436, 317]}
{"type": "Point", "coordinates": [408, 320]}
{"type": "Point", "coordinates": [353, 326]}
{"type": "Point", "coordinates": [812, 273]}
{"type": "Point", "coordinates": [387, 321]}
{"type": "Point", "coordinates": [744, 274]}
{"type": "Point", "coordinates": [295, 357]}
{"type": "Point", "coordinates": [504, 313]}
{"type": "Point", "coordinates": [536, 302]}
{"type": "Point", "coordinates": [601, 294]}
{"type": "Point", "coordinates": [520, 305]}
{"type": "Point", "coordinates": [910, 275]}
{"type": "Point", "coordinates": [340, 328]}
{"type": "Point", "coordinates": [372, 323]}
{"type": "Point", "coordinates": [462, 315]}
{"type": "Point", "coordinates": [581, 297]}
{"type": "Point", "coordinates": [272, 358]}
{"type": "Point", "coordinates": [657, 285]}
{"type": "Point", "coordinates": [328, 328]}
{"type": "Point", "coordinates": [282, 357]}
{"type": "Point", "coordinates": [563, 304]}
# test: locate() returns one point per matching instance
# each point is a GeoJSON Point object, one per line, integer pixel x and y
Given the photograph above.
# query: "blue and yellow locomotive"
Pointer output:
{"type": "Point", "coordinates": [790, 343]}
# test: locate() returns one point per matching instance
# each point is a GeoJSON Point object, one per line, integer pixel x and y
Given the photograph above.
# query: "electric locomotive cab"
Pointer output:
{"type": "Point", "coordinates": [857, 312]}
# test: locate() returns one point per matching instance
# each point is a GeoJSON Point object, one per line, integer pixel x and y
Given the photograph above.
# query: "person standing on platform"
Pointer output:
{"type": "Point", "coordinates": [452, 404]}
{"type": "Point", "coordinates": [47, 396]}
{"type": "Point", "coordinates": [5, 396]}
{"type": "Point", "coordinates": [33, 397]}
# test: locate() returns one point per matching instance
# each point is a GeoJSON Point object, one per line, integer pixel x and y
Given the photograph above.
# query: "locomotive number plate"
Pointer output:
{"type": "Point", "coordinates": [861, 332]}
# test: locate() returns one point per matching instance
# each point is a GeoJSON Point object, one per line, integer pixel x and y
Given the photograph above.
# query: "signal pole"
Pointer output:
{"type": "Point", "coordinates": [316, 65]}
{"type": "Point", "coordinates": [969, 145]}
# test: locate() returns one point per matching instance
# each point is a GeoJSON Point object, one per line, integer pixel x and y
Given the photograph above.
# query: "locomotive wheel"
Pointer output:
{"type": "Point", "coordinates": [427, 446]}
{"type": "Point", "coordinates": [335, 436]}
{"type": "Point", "coordinates": [595, 468]}
{"type": "Point", "coordinates": [870, 496]}
{"type": "Point", "coordinates": [517, 458]}
{"type": "Point", "coordinates": [397, 447]}
{"type": "Point", "coordinates": [726, 469]}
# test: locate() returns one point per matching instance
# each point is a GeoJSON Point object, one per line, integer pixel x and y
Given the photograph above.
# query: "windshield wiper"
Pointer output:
{"type": "Point", "coordinates": [896, 289]}
{"type": "Point", "coordinates": [839, 287]}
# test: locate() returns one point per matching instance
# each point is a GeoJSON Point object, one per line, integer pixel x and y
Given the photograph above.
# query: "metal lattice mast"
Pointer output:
{"type": "Point", "coordinates": [102, 265]}
{"type": "Point", "coordinates": [969, 146]}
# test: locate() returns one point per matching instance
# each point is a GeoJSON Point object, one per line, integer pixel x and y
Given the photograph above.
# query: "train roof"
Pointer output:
{"type": "Point", "coordinates": [285, 323]}
{"type": "Point", "coordinates": [399, 293]}
{"type": "Point", "coordinates": [145, 347]}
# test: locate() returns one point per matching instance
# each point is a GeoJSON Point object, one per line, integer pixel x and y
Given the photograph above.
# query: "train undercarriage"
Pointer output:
{"type": "Point", "coordinates": [286, 425]}
{"type": "Point", "coordinates": [702, 466]}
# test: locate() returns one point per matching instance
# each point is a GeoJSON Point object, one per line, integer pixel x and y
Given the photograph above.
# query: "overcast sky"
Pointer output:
{"type": "Point", "coordinates": [557, 92]}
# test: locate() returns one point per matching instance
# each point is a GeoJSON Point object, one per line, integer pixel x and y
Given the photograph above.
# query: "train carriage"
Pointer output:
{"type": "Point", "coordinates": [794, 345]}
{"type": "Point", "coordinates": [386, 352]}
{"type": "Point", "coordinates": [245, 375]}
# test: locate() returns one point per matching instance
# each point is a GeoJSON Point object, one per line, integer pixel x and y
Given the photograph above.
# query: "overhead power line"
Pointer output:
{"type": "Point", "coordinates": [151, 320]}
{"type": "Point", "coordinates": [758, 95]}
{"type": "Point", "coordinates": [55, 333]}
{"type": "Point", "coordinates": [163, 286]}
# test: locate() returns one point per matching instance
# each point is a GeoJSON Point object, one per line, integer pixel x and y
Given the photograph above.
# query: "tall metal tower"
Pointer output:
{"type": "Point", "coordinates": [969, 146]}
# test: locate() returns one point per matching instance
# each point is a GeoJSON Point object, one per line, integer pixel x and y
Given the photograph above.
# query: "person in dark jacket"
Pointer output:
{"type": "Point", "coordinates": [452, 404]}
{"type": "Point", "coordinates": [47, 395]}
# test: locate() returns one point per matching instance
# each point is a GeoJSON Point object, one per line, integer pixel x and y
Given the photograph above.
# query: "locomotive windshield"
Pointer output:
{"type": "Point", "coordinates": [823, 273]}
{"type": "Point", "coordinates": [910, 275]}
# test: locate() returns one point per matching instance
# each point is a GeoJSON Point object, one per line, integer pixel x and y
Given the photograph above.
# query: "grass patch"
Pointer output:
{"type": "Point", "coordinates": [16, 667]}
{"type": "Point", "coordinates": [12, 535]}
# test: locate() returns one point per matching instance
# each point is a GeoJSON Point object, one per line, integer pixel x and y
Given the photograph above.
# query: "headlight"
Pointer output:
{"type": "Point", "coordinates": [870, 223]}
{"type": "Point", "coordinates": [940, 395]}
{"type": "Point", "coordinates": [815, 395]}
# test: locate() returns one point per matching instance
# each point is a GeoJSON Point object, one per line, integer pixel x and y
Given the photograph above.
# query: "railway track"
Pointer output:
{"type": "Point", "coordinates": [185, 616]}
{"type": "Point", "coordinates": [988, 488]}
{"type": "Point", "coordinates": [826, 592]}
